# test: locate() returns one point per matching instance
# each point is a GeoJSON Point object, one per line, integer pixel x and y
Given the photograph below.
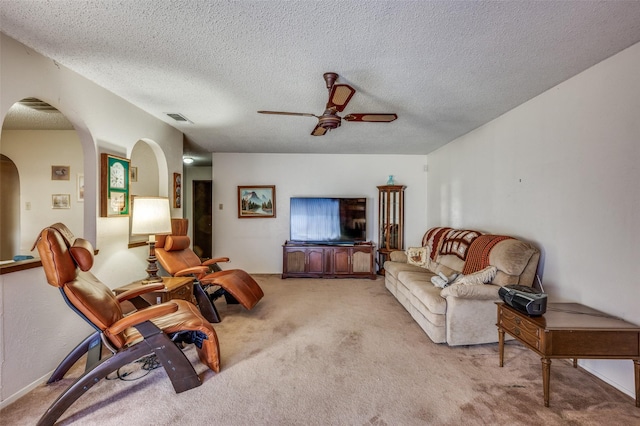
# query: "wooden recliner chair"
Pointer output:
{"type": "Point", "coordinates": [178, 259]}
{"type": "Point", "coordinates": [157, 329]}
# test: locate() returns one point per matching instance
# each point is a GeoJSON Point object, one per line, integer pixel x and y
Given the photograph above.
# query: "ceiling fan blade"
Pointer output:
{"type": "Point", "coordinates": [318, 131]}
{"type": "Point", "coordinates": [381, 118]}
{"type": "Point", "coordinates": [340, 96]}
{"type": "Point", "coordinates": [303, 114]}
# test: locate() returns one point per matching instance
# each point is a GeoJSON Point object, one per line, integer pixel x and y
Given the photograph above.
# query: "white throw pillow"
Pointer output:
{"type": "Point", "coordinates": [483, 276]}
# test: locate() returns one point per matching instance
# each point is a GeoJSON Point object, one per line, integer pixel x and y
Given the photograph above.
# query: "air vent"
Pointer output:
{"type": "Point", "coordinates": [178, 117]}
{"type": "Point", "coordinates": [37, 105]}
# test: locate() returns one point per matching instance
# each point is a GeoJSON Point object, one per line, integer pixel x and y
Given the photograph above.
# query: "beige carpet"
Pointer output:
{"type": "Point", "coordinates": [341, 352]}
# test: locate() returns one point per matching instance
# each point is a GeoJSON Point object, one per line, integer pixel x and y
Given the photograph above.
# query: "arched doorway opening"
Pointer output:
{"type": "Point", "coordinates": [48, 157]}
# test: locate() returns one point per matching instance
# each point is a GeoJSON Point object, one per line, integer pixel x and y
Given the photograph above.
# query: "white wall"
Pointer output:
{"type": "Point", "coordinates": [561, 171]}
{"type": "Point", "coordinates": [34, 340]}
{"type": "Point", "coordinates": [256, 244]}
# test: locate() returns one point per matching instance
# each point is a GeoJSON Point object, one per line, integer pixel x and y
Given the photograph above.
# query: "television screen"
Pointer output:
{"type": "Point", "coordinates": [328, 220]}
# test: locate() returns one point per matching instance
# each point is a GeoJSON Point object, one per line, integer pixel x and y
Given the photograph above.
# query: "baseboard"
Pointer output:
{"type": "Point", "coordinates": [22, 392]}
{"type": "Point", "coordinates": [608, 380]}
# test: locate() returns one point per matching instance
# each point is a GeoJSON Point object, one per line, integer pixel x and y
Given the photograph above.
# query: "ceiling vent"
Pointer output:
{"type": "Point", "coordinates": [38, 105]}
{"type": "Point", "coordinates": [178, 117]}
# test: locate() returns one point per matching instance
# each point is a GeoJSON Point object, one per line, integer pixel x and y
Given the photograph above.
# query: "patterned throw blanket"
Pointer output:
{"type": "Point", "coordinates": [478, 256]}
{"type": "Point", "coordinates": [432, 238]}
{"type": "Point", "coordinates": [458, 243]}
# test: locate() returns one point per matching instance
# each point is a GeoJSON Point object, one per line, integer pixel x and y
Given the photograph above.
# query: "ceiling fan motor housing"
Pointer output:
{"type": "Point", "coordinates": [329, 120]}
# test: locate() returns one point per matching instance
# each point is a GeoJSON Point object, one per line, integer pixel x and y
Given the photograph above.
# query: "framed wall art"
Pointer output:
{"type": "Point", "coordinates": [80, 187]}
{"type": "Point", "coordinates": [114, 186]}
{"type": "Point", "coordinates": [60, 172]}
{"type": "Point", "coordinates": [61, 201]}
{"type": "Point", "coordinates": [177, 190]}
{"type": "Point", "coordinates": [134, 174]}
{"type": "Point", "coordinates": [257, 201]}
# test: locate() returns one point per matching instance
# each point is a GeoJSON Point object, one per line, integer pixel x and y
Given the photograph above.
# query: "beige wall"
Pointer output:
{"type": "Point", "coordinates": [561, 171]}
{"type": "Point", "coordinates": [104, 122]}
{"type": "Point", "coordinates": [256, 244]}
{"type": "Point", "coordinates": [34, 152]}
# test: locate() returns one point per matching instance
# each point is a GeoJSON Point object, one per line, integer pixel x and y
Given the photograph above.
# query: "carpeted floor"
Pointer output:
{"type": "Point", "coordinates": [341, 352]}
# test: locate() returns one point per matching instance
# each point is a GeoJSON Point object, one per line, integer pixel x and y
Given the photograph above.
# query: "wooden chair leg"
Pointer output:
{"type": "Point", "coordinates": [92, 345]}
{"type": "Point", "coordinates": [180, 371]}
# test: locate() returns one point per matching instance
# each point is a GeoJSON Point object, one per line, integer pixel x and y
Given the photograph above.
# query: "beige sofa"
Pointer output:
{"type": "Point", "coordinates": [461, 313]}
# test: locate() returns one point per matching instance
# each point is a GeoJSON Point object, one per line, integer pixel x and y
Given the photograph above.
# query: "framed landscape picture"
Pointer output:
{"type": "Point", "coordinates": [257, 201]}
{"type": "Point", "coordinates": [61, 201]}
{"type": "Point", "coordinates": [114, 186]}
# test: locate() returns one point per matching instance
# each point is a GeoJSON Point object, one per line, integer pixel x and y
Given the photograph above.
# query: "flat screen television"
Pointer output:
{"type": "Point", "coordinates": [327, 220]}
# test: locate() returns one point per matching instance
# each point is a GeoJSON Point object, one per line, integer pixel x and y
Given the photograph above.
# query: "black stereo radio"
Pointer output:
{"type": "Point", "coordinates": [524, 299]}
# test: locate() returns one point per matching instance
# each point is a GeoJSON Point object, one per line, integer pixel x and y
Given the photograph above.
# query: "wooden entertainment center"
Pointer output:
{"type": "Point", "coordinates": [303, 260]}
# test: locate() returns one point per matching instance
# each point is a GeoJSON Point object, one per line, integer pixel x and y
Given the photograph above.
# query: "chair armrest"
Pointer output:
{"type": "Point", "coordinates": [138, 317]}
{"type": "Point", "coordinates": [194, 270]}
{"type": "Point", "coordinates": [215, 260]}
{"type": "Point", "coordinates": [472, 291]}
{"type": "Point", "coordinates": [398, 256]}
{"type": "Point", "coordinates": [138, 291]}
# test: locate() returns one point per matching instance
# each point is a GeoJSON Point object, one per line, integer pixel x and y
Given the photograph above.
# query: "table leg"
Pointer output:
{"type": "Point", "coordinates": [575, 363]}
{"type": "Point", "coordinates": [636, 368]}
{"type": "Point", "coordinates": [546, 372]}
{"type": "Point", "coordinates": [501, 345]}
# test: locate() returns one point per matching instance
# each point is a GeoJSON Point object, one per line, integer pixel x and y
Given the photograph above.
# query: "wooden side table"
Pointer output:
{"type": "Point", "coordinates": [174, 288]}
{"type": "Point", "coordinates": [571, 331]}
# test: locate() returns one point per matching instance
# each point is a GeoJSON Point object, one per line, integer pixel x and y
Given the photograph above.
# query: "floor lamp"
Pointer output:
{"type": "Point", "coordinates": [151, 216]}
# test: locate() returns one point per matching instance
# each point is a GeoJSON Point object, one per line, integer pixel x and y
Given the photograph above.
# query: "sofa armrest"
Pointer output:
{"type": "Point", "coordinates": [398, 256]}
{"type": "Point", "coordinates": [472, 291]}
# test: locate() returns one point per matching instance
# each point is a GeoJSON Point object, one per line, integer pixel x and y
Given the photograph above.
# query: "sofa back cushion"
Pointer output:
{"type": "Point", "coordinates": [516, 260]}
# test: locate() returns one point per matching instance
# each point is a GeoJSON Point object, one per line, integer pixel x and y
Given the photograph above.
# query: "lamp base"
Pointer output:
{"type": "Point", "coordinates": [152, 280]}
{"type": "Point", "coordinates": [152, 268]}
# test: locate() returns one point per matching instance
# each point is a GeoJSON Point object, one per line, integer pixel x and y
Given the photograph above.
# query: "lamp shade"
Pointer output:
{"type": "Point", "coordinates": [151, 215]}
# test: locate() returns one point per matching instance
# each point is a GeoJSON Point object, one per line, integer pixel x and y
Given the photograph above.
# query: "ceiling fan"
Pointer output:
{"type": "Point", "coordinates": [339, 97]}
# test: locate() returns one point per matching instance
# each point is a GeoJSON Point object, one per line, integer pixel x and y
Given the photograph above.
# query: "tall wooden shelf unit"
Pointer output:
{"type": "Point", "coordinates": [391, 222]}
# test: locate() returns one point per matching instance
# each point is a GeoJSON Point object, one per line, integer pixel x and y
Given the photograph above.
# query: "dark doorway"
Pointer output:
{"type": "Point", "coordinates": [202, 218]}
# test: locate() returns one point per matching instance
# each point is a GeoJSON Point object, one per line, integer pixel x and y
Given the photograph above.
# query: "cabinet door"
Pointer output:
{"type": "Point", "coordinates": [315, 261]}
{"type": "Point", "coordinates": [362, 261]}
{"type": "Point", "coordinates": [341, 260]}
{"type": "Point", "coordinates": [295, 261]}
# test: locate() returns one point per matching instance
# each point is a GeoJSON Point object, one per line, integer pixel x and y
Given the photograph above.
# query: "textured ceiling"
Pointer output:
{"type": "Point", "coordinates": [444, 67]}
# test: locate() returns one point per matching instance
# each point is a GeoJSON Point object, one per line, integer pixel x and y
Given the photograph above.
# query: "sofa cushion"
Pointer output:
{"type": "Point", "coordinates": [447, 264]}
{"type": "Point", "coordinates": [511, 256]}
{"type": "Point", "coordinates": [420, 286]}
{"type": "Point", "coordinates": [398, 256]}
{"type": "Point", "coordinates": [394, 268]}
{"type": "Point", "coordinates": [418, 256]}
{"type": "Point", "coordinates": [478, 292]}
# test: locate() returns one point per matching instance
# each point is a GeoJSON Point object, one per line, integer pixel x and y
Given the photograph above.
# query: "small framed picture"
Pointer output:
{"type": "Point", "coordinates": [60, 172]}
{"type": "Point", "coordinates": [134, 173]}
{"type": "Point", "coordinates": [80, 187]}
{"type": "Point", "coordinates": [177, 190]}
{"type": "Point", "coordinates": [61, 201]}
{"type": "Point", "coordinates": [257, 201]}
